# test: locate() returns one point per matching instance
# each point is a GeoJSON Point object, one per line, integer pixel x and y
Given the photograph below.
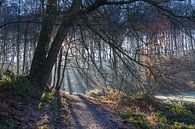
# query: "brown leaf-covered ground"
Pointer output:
{"type": "Point", "coordinates": [17, 111]}
{"type": "Point", "coordinates": [54, 110]}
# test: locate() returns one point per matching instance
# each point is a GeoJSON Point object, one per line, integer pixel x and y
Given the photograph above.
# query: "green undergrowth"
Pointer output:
{"type": "Point", "coordinates": [20, 86]}
{"type": "Point", "coordinates": [20, 90]}
{"type": "Point", "coordinates": [166, 116]}
{"type": "Point", "coordinates": [13, 88]}
{"type": "Point", "coordinates": [148, 113]}
{"type": "Point", "coordinates": [51, 100]}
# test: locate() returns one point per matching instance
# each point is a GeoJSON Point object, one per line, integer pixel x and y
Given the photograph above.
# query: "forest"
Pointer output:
{"type": "Point", "coordinates": [97, 64]}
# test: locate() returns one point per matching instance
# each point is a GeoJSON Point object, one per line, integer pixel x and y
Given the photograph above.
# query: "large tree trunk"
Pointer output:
{"type": "Point", "coordinates": [41, 67]}
{"type": "Point", "coordinates": [44, 40]}
{"type": "Point", "coordinates": [45, 69]}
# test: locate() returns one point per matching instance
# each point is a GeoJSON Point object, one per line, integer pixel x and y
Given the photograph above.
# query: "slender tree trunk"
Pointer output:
{"type": "Point", "coordinates": [191, 39]}
{"type": "Point", "coordinates": [65, 63]}
{"type": "Point", "coordinates": [59, 70]}
{"type": "Point", "coordinates": [18, 42]}
{"type": "Point", "coordinates": [4, 48]}
{"type": "Point", "coordinates": [54, 74]}
{"type": "Point", "coordinates": [25, 46]}
{"type": "Point", "coordinates": [18, 50]}
{"type": "Point", "coordinates": [100, 53]}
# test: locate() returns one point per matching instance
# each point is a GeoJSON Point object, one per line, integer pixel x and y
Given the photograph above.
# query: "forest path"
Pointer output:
{"type": "Point", "coordinates": [86, 114]}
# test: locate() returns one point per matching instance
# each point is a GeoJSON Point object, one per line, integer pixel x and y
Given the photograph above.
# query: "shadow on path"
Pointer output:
{"type": "Point", "coordinates": [88, 115]}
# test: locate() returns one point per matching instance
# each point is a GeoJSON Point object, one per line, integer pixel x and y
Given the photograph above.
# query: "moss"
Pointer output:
{"type": "Point", "coordinates": [49, 99]}
{"type": "Point", "coordinates": [6, 80]}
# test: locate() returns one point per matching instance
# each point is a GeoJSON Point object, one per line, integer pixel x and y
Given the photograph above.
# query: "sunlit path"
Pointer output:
{"type": "Point", "coordinates": [85, 114]}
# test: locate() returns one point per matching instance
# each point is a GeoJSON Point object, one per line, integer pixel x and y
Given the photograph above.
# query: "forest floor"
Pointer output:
{"type": "Point", "coordinates": [147, 112]}
{"type": "Point", "coordinates": [44, 112]}
{"type": "Point", "coordinates": [90, 114]}
{"type": "Point", "coordinates": [53, 110]}
{"type": "Point", "coordinates": [22, 106]}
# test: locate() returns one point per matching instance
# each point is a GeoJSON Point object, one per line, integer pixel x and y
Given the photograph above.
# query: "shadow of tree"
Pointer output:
{"type": "Point", "coordinates": [89, 115]}
{"type": "Point", "coordinates": [52, 110]}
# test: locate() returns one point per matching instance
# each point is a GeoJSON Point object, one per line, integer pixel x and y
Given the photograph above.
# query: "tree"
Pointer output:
{"type": "Point", "coordinates": [40, 72]}
{"type": "Point", "coordinates": [44, 40]}
{"type": "Point", "coordinates": [45, 57]}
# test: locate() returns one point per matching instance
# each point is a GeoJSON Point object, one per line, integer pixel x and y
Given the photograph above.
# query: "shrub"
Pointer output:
{"type": "Point", "coordinates": [179, 125]}
{"type": "Point", "coordinates": [8, 73]}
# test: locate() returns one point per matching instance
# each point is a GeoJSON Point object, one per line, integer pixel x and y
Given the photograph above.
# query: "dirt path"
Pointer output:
{"type": "Point", "coordinates": [88, 115]}
{"type": "Point", "coordinates": [57, 111]}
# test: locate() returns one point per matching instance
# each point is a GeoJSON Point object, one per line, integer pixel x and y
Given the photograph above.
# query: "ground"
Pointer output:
{"type": "Point", "coordinates": [147, 112]}
{"type": "Point", "coordinates": [86, 114]}
{"type": "Point", "coordinates": [54, 110]}
{"type": "Point", "coordinates": [24, 106]}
